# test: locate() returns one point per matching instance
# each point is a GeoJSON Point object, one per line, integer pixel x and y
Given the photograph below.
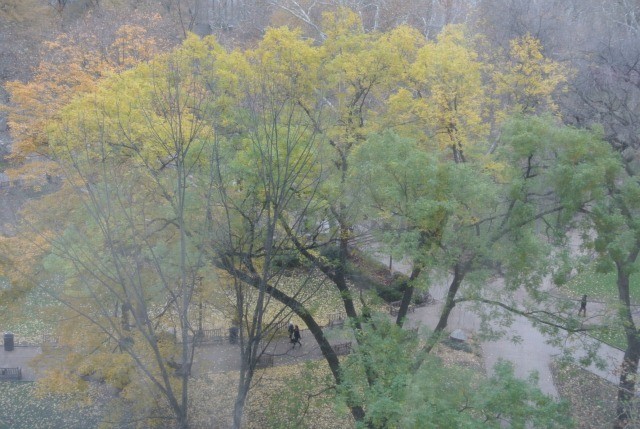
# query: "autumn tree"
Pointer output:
{"type": "Point", "coordinates": [336, 117]}
{"type": "Point", "coordinates": [355, 81]}
{"type": "Point", "coordinates": [128, 242]}
{"type": "Point", "coordinates": [454, 101]}
{"type": "Point", "coordinates": [205, 161]}
{"type": "Point", "coordinates": [469, 220]}
{"type": "Point", "coordinates": [266, 168]}
{"type": "Point", "coordinates": [400, 392]}
{"type": "Point", "coordinates": [68, 69]}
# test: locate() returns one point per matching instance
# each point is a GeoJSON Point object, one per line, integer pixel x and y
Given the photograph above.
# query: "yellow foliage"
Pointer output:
{"type": "Point", "coordinates": [528, 80]}
{"type": "Point", "coordinates": [60, 381]}
{"type": "Point", "coordinates": [20, 257]}
{"type": "Point", "coordinates": [341, 24]}
{"type": "Point", "coordinates": [448, 92]}
{"type": "Point", "coordinates": [284, 64]}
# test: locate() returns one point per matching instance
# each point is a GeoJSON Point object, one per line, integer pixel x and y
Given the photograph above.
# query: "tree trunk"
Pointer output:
{"type": "Point", "coordinates": [459, 271]}
{"type": "Point", "coordinates": [316, 330]}
{"type": "Point", "coordinates": [340, 278]}
{"type": "Point", "coordinates": [327, 351]}
{"type": "Point", "coordinates": [627, 384]}
{"type": "Point", "coordinates": [238, 408]}
{"type": "Point", "coordinates": [183, 422]}
{"type": "Point", "coordinates": [244, 384]}
{"type": "Point", "coordinates": [629, 368]}
{"type": "Point", "coordinates": [406, 297]}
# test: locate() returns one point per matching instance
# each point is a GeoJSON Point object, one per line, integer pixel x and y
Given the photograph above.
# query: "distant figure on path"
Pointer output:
{"type": "Point", "coordinates": [583, 306]}
{"type": "Point", "coordinates": [290, 330]}
{"type": "Point", "coordinates": [296, 337]}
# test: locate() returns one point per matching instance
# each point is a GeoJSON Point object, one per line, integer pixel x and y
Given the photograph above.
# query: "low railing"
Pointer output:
{"type": "Point", "coordinates": [342, 349]}
{"type": "Point", "coordinates": [264, 361]}
{"type": "Point", "coordinates": [211, 336]}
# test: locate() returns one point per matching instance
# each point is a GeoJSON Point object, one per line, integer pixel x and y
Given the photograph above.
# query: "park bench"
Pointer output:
{"type": "Point", "coordinates": [11, 373]}
{"type": "Point", "coordinates": [264, 361]}
{"type": "Point", "coordinates": [342, 349]}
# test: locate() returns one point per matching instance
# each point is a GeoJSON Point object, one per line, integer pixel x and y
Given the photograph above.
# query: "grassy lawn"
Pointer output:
{"type": "Point", "coordinates": [601, 287]}
{"type": "Point", "coordinates": [20, 408]}
{"type": "Point", "coordinates": [34, 316]}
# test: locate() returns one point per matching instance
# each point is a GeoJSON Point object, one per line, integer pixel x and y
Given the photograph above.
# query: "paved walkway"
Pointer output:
{"type": "Point", "coordinates": [531, 353]}
{"type": "Point", "coordinates": [225, 357]}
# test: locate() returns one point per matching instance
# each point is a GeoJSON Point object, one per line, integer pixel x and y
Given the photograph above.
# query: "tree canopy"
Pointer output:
{"type": "Point", "coordinates": [198, 171]}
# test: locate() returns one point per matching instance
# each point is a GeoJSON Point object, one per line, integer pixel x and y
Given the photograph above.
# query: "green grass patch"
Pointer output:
{"type": "Point", "coordinates": [601, 286]}
{"type": "Point", "coordinates": [613, 336]}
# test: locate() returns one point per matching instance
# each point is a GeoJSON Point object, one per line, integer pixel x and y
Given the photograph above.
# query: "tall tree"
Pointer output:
{"type": "Point", "coordinates": [470, 219]}
{"type": "Point", "coordinates": [266, 169]}
{"type": "Point", "coordinates": [606, 92]}
{"type": "Point", "coordinates": [128, 243]}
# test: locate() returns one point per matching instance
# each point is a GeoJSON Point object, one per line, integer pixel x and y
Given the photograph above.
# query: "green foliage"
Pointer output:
{"type": "Point", "coordinates": [579, 163]}
{"type": "Point", "coordinates": [408, 187]}
{"type": "Point", "coordinates": [394, 290]}
{"type": "Point", "coordinates": [457, 397]}
{"type": "Point", "coordinates": [190, 163]}
{"type": "Point", "coordinates": [437, 395]}
{"type": "Point", "coordinates": [384, 357]}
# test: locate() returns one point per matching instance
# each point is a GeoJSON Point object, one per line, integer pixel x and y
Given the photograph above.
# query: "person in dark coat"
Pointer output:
{"type": "Point", "coordinates": [290, 330]}
{"type": "Point", "coordinates": [583, 306]}
{"type": "Point", "coordinates": [296, 337]}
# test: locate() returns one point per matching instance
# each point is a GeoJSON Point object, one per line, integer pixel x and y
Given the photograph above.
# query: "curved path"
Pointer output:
{"type": "Point", "coordinates": [531, 353]}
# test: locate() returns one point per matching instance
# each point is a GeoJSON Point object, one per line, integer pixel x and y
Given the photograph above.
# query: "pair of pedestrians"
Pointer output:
{"type": "Point", "coordinates": [294, 335]}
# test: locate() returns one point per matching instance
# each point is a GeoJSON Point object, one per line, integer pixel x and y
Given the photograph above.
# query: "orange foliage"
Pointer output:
{"type": "Point", "coordinates": [70, 67]}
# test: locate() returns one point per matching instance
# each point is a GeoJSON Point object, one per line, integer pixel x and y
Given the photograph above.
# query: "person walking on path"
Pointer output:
{"type": "Point", "coordinates": [290, 330]}
{"type": "Point", "coordinates": [583, 306]}
{"type": "Point", "coordinates": [296, 337]}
